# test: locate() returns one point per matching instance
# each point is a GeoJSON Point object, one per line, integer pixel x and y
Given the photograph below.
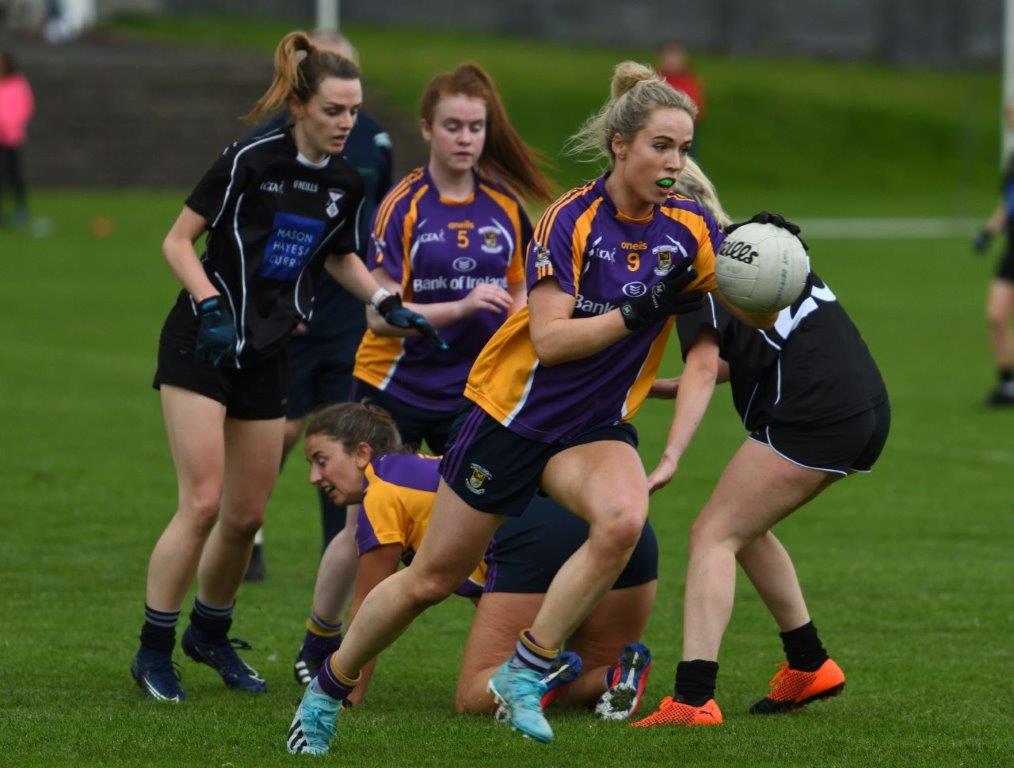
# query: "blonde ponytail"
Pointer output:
{"type": "Point", "coordinates": [693, 183]}
{"type": "Point", "coordinates": [636, 91]}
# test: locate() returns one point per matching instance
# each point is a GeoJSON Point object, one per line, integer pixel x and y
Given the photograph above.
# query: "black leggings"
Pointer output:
{"type": "Point", "coordinates": [11, 175]}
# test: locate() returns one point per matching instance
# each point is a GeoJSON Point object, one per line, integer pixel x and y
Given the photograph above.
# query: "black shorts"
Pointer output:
{"type": "Point", "coordinates": [317, 376]}
{"type": "Point", "coordinates": [415, 424]}
{"type": "Point", "coordinates": [255, 391]}
{"type": "Point", "coordinates": [1005, 269]}
{"type": "Point", "coordinates": [526, 552]}
{"type": "Point", "coordinates": [497, 471]}
{"type": "Point", "coordinates": [850, 445]}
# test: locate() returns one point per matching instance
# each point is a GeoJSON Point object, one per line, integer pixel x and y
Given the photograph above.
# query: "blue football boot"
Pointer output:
{"type": "Point", "coordinates": [157, 675]}
{"type": "Point", "coordinates": [520, 690]}
{"type": "Point", "coordinates": [316, 721]}
{"type": "Point", "coordinates": [220, 654]}
{"type": "Point", "coordinates": [565, 670]}
{"type": "Point", "coordinates": [625, 683]}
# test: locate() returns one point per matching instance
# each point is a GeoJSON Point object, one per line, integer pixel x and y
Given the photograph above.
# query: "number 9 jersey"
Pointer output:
{"type": "Point", "coordinates": [601, 257]}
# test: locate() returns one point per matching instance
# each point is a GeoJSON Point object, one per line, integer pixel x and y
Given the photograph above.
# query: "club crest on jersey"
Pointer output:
{"type": "Point", "coordinates": [667, 255]}
{"type": "Point", "coordinates": [490, 240]}
{"type": "Point", "coordinates": [475, 480]}
{"type": "Point", "coordinates": [334, 195]}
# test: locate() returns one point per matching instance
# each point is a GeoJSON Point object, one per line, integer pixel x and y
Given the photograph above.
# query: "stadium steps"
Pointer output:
{"type": "Point", "coordinates": [113, 113]}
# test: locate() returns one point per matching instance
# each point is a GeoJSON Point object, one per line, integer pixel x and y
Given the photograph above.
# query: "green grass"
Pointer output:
{"type": "Point", "coordinates": [908, 571]}
{"type": "Point", "coordinates": [810, 138]}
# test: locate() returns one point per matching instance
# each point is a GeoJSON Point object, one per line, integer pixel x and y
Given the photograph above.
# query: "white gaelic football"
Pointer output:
{"type": "Point", "coordinates": [761, 268]}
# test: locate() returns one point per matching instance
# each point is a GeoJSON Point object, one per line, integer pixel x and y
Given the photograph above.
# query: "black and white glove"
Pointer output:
{"type": "Point", "coordinates": [667, 297]}
{"type": "Point", "coordinates": [400, 316]}
{"type": "Point", "coordinates": [764, 217]}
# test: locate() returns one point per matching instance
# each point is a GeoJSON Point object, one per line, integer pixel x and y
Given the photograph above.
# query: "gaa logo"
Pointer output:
{"type": "Point", "coordinates": [635, 289]}
{"type": "Point", "coordinates": [465, 263]}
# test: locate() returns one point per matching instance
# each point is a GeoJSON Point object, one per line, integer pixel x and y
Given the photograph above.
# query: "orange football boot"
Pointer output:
{"type": "Point", "coordinates": [671, 712]}
{"type": "Point", "coordinates": [794, 688]}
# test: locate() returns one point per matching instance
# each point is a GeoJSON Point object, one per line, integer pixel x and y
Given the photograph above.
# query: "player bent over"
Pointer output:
{"type": "Point", "coordinates": [816, 407]}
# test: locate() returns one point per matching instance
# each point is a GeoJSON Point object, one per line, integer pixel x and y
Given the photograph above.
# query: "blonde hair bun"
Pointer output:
{"type": "Point", "coordinates": [627, 74]}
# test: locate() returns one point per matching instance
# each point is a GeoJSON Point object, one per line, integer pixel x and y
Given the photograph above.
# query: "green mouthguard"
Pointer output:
{"type": "Point", "coordinates": [665, 183]}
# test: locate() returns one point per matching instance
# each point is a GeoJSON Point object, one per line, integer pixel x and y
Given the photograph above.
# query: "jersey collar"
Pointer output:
{"type": "Point", "coordinates": [616, 213]}
{"type": "Point", "coordinates": [446, 200]}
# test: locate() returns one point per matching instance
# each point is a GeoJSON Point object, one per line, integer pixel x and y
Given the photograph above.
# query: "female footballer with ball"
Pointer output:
{"type": "Point", "coordinates": [815, 405]}
{"type": "Point", "coordinates": [277, 209]}
{"type": "Point", "coordinates": [553, 391]}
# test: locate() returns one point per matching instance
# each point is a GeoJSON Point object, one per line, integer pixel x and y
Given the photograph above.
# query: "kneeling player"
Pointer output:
{"type": "Point", "coordinates": [604, 665]}
{"type": "Point", "coordinates": [353, 453]}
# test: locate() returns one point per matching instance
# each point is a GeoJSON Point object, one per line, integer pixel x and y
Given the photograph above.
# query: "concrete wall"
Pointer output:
{"type": "Point", "coordinates": [918, 33]}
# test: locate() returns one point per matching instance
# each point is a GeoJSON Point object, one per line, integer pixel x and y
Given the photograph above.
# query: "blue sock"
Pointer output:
{"type": "Point", "coordinates": [159, 630]}
{"type": "Point", "coordinates": [211, 621]}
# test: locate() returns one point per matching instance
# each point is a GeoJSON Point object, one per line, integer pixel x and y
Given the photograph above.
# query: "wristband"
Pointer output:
{"type": "Point", "coordinates": [378, 297]}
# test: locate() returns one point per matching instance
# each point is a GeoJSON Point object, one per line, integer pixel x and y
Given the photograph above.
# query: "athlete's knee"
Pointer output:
{"type": "Point", "coordinates": [997, 315]}
{"type": "Point", "coordinates": [471, 697]}
{"type": "Point", "coordinates": [431, 588]}
{"type": "Point", "coordinates": [621, 526]}
{"type": "Point", "coordinates": [710, 532]}
{"type": "Point", "coordinates": [200, 505]}
{"type": "Point", "coordinates": [242, 523]}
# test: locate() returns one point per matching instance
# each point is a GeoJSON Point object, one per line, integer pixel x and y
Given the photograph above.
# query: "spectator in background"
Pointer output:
{"type": "Point", "coordinates": [16, 107]}
{"type": "Point", "coordinates": [674, 66]}
{"type": "Point", "coordinates": [1000, 298]}
{"type": "Point", "coordinates": [321, 355]}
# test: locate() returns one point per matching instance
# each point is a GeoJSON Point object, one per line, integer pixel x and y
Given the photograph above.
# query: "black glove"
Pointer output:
{"type": "Point", "coordinates": [216, 337]}
{"type": "Point", "coordinates": [764, 217]}
{"type": "Point", "coordinates": [665, 298]}
{"type": "Point", "coordinates": [981, 242]}
{"type": "Point", "coordinates": [401, 317]}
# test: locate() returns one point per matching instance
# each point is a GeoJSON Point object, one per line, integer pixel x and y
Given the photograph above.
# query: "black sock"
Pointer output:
{"type": "Point", "coordinates": [695, 681]}
{"type": "Point", "coordinates": [803, 648]}
{"type": "Point", "coordinates": [1006, 374]}
{"type": "Point", "coordinates": [159, 630]}
{"type": "Point", "coordinates": [211, 621]}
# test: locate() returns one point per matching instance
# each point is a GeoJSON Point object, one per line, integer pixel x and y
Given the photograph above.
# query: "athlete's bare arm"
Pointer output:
{"type": "Point", "coordinates": [557, 336]}
{"type": "Point", "coordinates": [178, 248]}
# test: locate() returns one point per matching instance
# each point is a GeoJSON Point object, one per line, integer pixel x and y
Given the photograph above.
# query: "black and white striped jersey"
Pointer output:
{"type": "Point", "coordinates": [812, 368]}
{"type": "Point", "coordinates": [273, 217]}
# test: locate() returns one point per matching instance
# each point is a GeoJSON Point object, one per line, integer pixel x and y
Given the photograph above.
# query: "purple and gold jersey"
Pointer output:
{"type": "Point", "coordinates": [439, 250]}
{"type": "Point", "coordinates": [400, 489]}
{"type": "Point", "coordinates": [601, 257]}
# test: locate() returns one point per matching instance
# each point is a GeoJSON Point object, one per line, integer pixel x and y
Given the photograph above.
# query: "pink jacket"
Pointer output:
{"type": "Point", "coordinates": [16, 106]}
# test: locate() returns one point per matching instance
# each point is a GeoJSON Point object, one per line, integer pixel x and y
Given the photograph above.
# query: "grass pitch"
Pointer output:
{"type": "Point", "coordinates": [907, 571]}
